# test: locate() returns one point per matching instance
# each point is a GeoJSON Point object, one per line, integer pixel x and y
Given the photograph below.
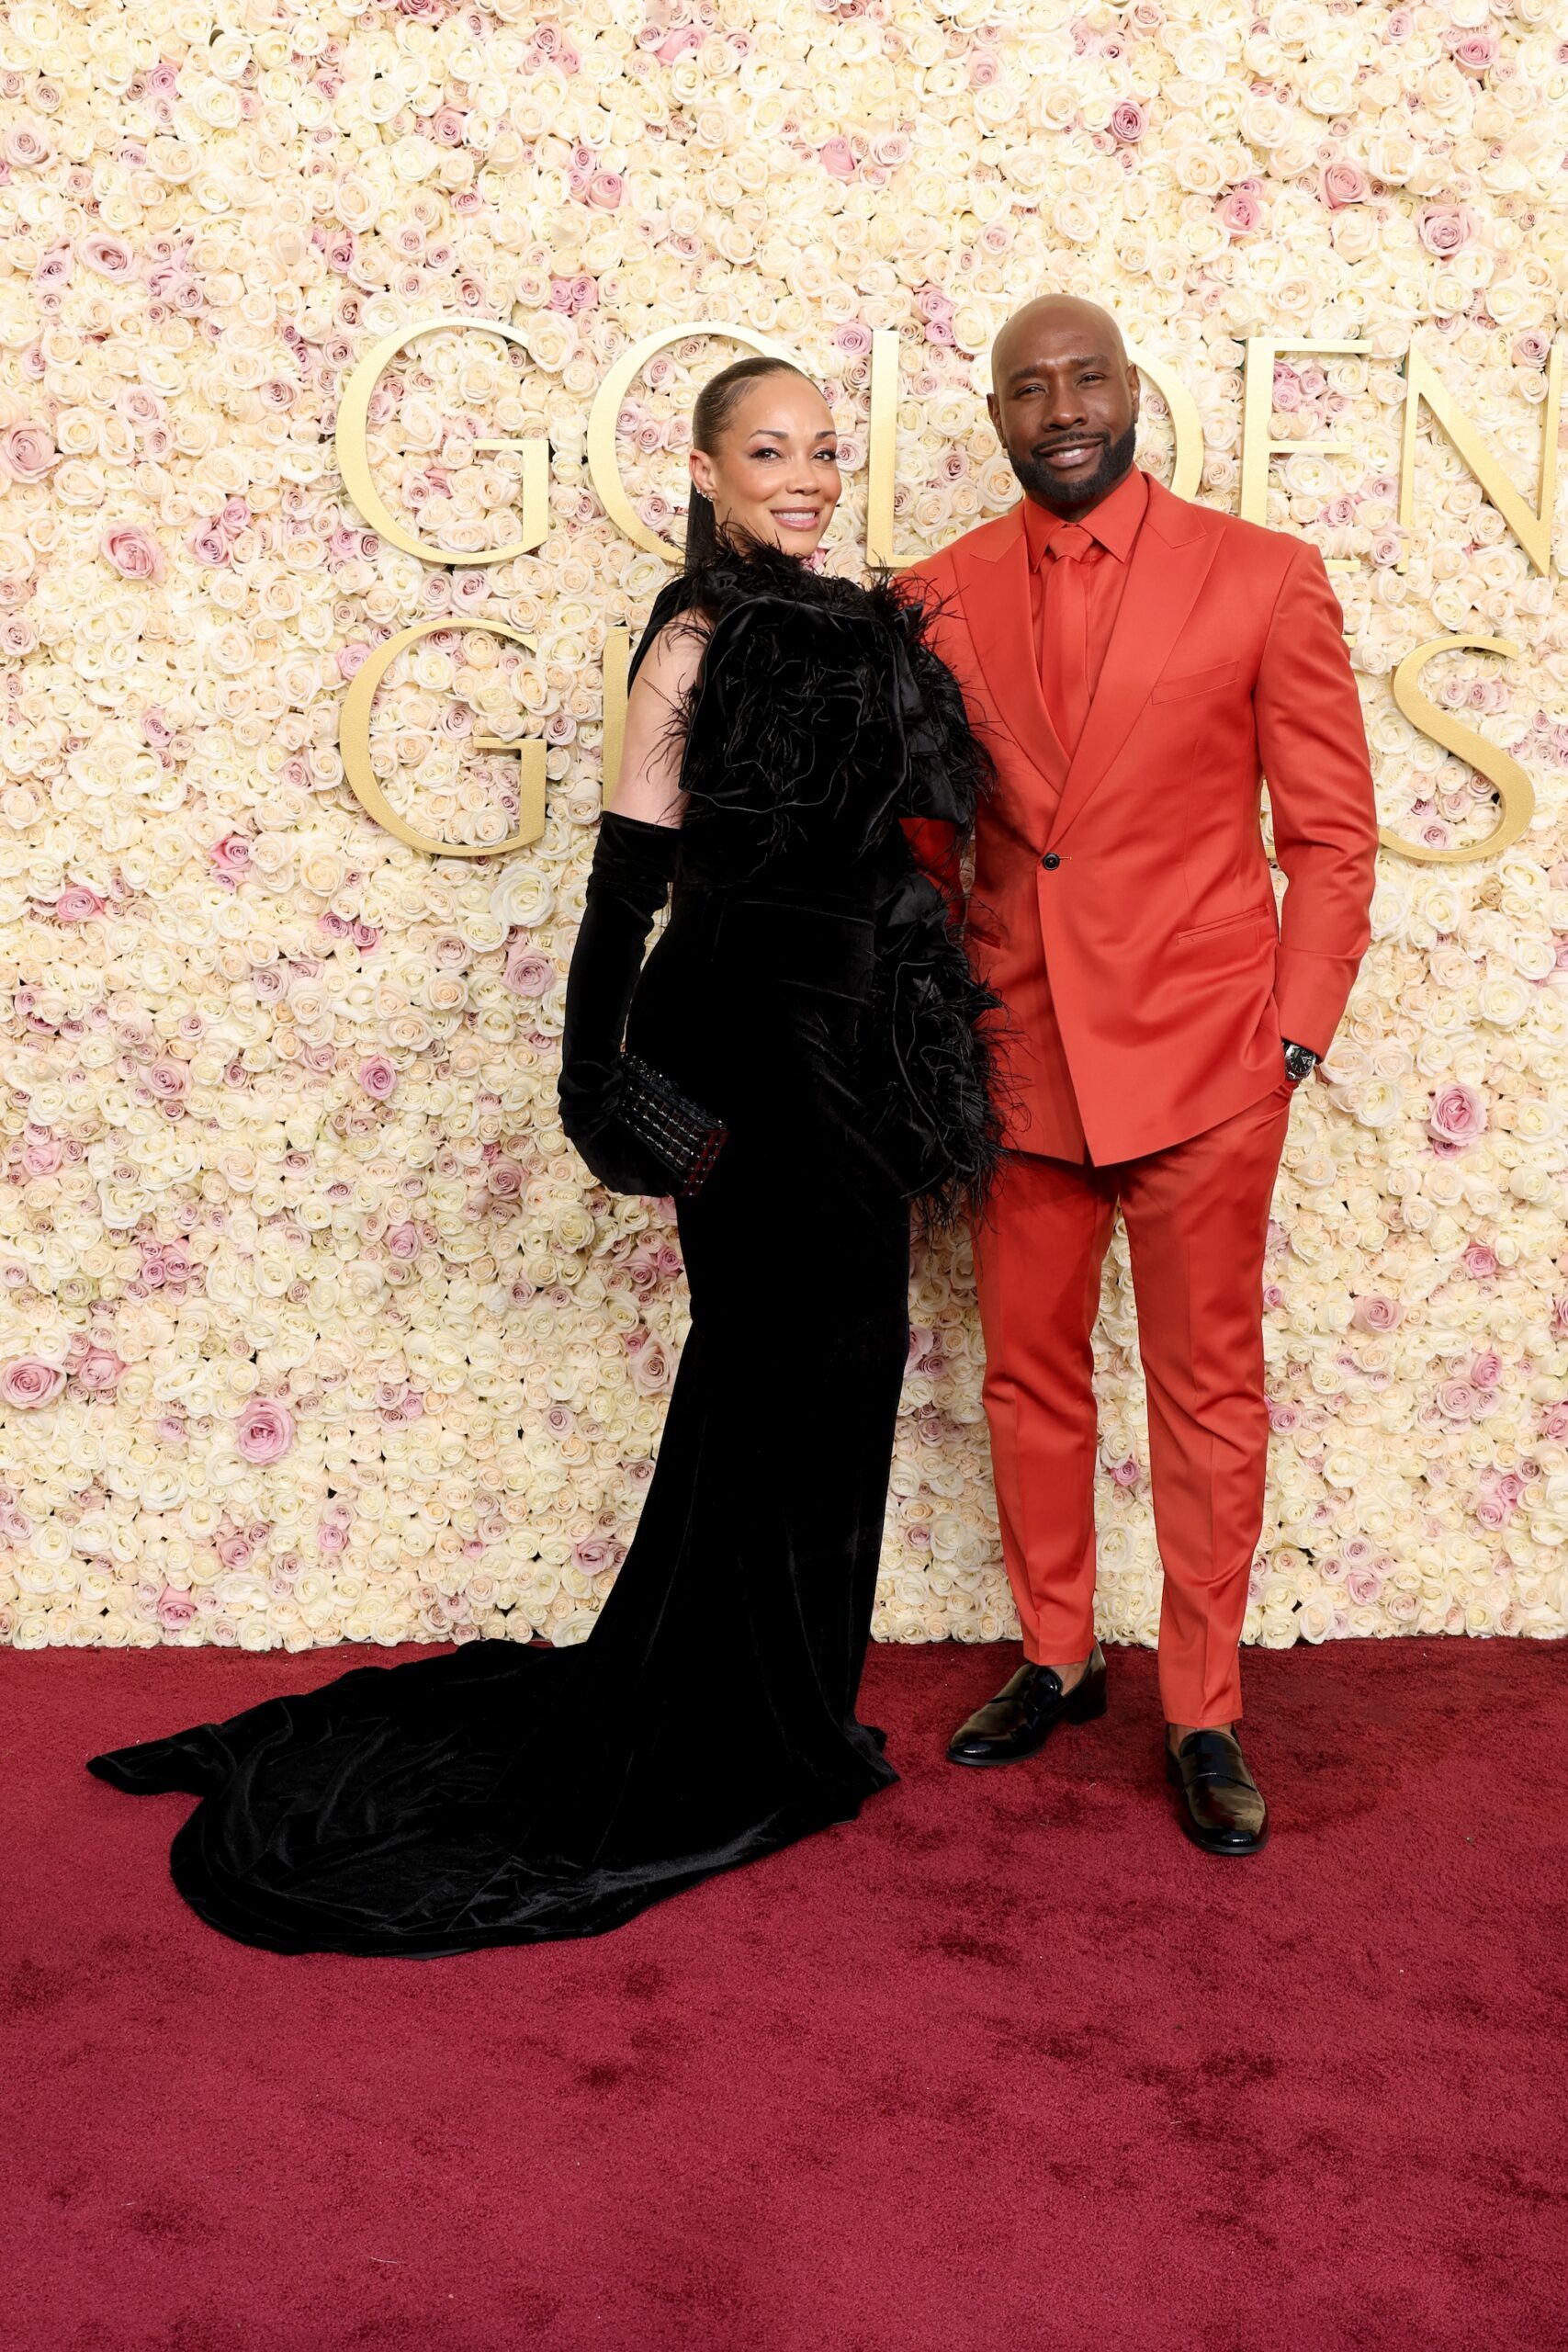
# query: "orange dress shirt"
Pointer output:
{"type": "Point", "coordinates": [1113, 528]}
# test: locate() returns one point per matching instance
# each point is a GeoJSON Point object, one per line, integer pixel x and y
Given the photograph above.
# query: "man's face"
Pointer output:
{"type": "Point", "coordinates": [1066, 409]}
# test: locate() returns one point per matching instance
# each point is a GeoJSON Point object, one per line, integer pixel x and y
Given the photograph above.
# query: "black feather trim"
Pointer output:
{"type": "Point", "coordinates": [819, 718]}
{"type": "Point", "coordinates": [940, 1109]}
{"type": "Point", "coordinates": [818, 704]}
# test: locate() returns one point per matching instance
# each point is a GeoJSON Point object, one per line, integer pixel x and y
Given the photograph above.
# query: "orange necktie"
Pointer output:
{"type": "Point", "coordinates": [1064, 634]}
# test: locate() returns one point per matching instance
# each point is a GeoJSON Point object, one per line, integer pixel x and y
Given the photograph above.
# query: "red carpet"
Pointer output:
{"type": "Point", "coordinates": [1003, 2067]}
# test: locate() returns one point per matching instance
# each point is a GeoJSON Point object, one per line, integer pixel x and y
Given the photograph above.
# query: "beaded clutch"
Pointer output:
{"type": "Point", "coordinates": [684, 1137]}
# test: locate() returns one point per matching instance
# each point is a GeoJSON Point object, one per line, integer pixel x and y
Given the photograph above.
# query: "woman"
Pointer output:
{"type": "Point", "coordinates": [801, 1061]}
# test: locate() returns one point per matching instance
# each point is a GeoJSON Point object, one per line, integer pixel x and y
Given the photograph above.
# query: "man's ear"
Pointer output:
{"type": "Point", "coordinates": [1134, 390]}
{"type": "Point", "coordinates": [994, 413]}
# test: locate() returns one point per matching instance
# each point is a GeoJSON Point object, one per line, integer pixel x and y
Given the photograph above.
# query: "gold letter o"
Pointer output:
{"type": "Point", "coordinates": [604, 465]}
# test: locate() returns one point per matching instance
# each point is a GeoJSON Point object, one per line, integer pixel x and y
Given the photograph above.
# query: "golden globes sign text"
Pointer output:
{"type": "Point", "coordinates": [1532, 526]}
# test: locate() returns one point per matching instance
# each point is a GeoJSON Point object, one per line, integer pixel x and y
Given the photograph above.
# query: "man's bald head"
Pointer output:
{"type": "Point", "coordinates": [1057, 315]}
{"type": "Point", "coordinates": [1064, 401]}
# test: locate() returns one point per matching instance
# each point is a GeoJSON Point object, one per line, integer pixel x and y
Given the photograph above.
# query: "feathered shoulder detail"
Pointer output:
{"type": "Point", "coordinates": [819, 710]}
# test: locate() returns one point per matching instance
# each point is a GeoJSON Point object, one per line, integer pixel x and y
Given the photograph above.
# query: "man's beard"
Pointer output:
{"type": "Point", "coordinates": [1048, 489]}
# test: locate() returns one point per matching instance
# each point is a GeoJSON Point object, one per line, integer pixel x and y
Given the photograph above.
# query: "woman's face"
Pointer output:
{"type": "Point", "coordinates": [775, 472]}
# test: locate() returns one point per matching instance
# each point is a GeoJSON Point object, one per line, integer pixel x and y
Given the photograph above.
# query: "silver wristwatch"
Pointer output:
{"type": "Point", "coordinates": [1299, 1062]}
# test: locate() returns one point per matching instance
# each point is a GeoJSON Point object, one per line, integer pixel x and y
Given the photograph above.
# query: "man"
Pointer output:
{"type": "Point", "coordinates": [1133, 661]}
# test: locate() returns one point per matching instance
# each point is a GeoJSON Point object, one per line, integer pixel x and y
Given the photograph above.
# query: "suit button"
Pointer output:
{"type": "Point", "coordinates": [1050, 861]}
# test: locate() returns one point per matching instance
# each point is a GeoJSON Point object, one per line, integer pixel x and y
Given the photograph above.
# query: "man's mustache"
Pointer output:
{"type": "Point", "coordinates": [1071, 441]}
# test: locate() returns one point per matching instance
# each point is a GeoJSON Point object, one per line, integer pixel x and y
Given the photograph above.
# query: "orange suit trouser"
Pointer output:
{"type": "Point", "coordinates": [1197, 1219]}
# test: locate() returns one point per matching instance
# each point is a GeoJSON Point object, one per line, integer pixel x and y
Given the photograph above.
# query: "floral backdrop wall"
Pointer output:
{"type": "Point", "coordinates": [310, 1325]}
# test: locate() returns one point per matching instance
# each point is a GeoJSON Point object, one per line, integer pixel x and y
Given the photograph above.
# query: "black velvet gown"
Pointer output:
{"type": "Point", "coordinates": [807, 987]}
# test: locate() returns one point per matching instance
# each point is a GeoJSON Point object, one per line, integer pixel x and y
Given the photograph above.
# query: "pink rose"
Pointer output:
{"type": "Point", "coordinates": [76, 903]}
{"type": "Point", "coordinates": [27, 1382]}
{"type": "Point", "coordinates": [1242, 215]}
{"type": "Point", "coordinates": [134, 553]}
{"type": "Point", "coordinates": [528, 973]}
{"type": "Point", "coordinates": [265, 1431]}
{"type": "Point", "coordinates": [651, 1368]}
{"type": "Point", "coordinates": [684, 38]}
{"type": "Point", "coordinates": [108, 254]}
{"type": "Point", "coordinates": [605, 190]}
{"type": "Point", "coordinates": [230, 857]}
{"type": "Point", "coordinates": [1129, 120]}
{"type": "Point", "coordinates": [99, 1371]}
{"type": "Point", "coordinates": [838, 158]}
{"type": "Point", "coordinates": [175, 1609]}
{"type": "Point", "coordinates": [852, 339]}
{"type": "Point", "coordinates": [1375, 1313]}
{"type": "Point", "coordinates": [1481, 1261]}
{"type": "Point", "coordinates": [24, 146]}
{"type": "Point", "coordinates": [378, 1077]}
{"type": "Point", "coordinates": [210, 544]}
{"type": "Point", "coordinates": [42, 1155]}
{"type": "Point", "coordinates": [402, 1240]}
{"type": "Point", "coordinates": [1487, 1370]}
{"type": "Point", "coordinates": [1458, 1117]}
{"type": "Point", "coordinates": [1344, 184]}
{"type": "Point", "coordinates": [985, 67]}
{"type": "Point", "coordinates": [594, 1554]}
{"type": "Point", "coordinates": [1555, 1425]}
{"type": "Point", "coordinates": [26, 451]}
{"type": "Point", "coordinates": [1446, 229]}
{"type": "Point", "coordinates": [1476, 51]}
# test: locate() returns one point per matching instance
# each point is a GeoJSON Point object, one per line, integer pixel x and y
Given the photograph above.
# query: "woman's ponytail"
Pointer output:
{"type": "Point", "coordinates": [703, 541]}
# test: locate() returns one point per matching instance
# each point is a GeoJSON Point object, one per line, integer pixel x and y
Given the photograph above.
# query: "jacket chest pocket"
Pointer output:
{"type": "Point", "coordinates": [1189, 683]}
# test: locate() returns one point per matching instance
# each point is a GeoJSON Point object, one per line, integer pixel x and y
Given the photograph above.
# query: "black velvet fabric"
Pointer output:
{"type": "Point", "coordinates": [627, 884]}
{"type": "Point", "coordinates": [808, 988]}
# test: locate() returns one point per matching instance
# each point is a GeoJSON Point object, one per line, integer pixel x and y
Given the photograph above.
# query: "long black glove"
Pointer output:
{"type": "Point", "coordinates": [632, 866]}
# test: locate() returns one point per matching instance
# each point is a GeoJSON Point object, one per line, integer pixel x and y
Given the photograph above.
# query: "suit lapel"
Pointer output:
{"type": "Point", "coordinates": [1169, 563]}
{"type": "Point", "coordinates": [993, 581]}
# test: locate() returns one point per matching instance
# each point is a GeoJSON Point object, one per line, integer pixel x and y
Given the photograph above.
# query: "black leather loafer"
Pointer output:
{"type": "Point", "coordinates": [1025, 1712]}
{"type": "Point", "coordinates": [1221, 1807]}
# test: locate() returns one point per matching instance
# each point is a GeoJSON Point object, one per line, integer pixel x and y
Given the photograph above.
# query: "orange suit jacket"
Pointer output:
{"type": "Point", "coordinates": [1123, 906]}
